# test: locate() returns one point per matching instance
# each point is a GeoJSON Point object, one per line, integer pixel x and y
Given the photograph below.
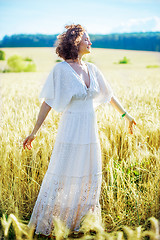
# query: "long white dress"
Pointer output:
{"type": "Point", "coordinates": [72, 184]}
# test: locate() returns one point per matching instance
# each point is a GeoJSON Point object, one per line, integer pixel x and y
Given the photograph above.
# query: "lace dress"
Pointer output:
{"type": "Point", "coordinates": [72, 184]}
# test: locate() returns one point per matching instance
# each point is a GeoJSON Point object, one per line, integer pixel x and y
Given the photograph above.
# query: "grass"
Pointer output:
{"type": "Point", "coordinates": [152, 66]}
{"type": "Point", "coordinates": [131, 168]}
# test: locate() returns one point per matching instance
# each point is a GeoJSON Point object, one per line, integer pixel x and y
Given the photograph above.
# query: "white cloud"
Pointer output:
{"type": "Point", "coordinates": [139, 25]}
{"type": "Point", "coordinates": [157, 26]}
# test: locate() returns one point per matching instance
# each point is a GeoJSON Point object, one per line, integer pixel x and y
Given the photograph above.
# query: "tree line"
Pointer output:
{"type": "Point", "coordinates": [148, 41]}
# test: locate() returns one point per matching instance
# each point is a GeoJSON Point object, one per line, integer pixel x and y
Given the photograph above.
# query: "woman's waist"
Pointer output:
{"type": "Point", "coordinates": [80, 106]}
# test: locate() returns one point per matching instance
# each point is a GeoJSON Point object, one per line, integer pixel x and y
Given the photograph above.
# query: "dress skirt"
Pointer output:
{"type": "Point", "coordinates": [72, 184]}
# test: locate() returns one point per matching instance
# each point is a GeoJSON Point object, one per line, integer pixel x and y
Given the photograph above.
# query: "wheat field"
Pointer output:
{"type": "Point", "coordinates": [130, 194]}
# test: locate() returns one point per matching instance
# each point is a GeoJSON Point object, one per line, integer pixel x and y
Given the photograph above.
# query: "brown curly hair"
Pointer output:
{"type": "Point", "coordinates": [67, 45]}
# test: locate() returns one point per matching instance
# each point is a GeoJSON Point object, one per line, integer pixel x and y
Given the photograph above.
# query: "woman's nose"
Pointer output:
{"type": "Point", "coordinates": [90, 43]}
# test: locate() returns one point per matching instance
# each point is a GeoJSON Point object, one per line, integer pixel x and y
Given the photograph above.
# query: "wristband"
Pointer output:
{"type": "Point", "coordinates": [123, 115]}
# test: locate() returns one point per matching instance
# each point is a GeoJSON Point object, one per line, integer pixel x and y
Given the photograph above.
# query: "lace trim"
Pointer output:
{"type": "Point", "coordinates": [72, 218]}
{"type": "Point", "coordinates": [68, 199]}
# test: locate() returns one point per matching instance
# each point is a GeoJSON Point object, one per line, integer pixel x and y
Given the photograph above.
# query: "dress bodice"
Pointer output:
{"type": "Point", "coordinates": [64, 86]}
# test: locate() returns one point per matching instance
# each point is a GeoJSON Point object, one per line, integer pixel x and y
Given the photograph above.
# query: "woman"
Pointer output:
{"type": "Point", "coordinates": [71, 186]}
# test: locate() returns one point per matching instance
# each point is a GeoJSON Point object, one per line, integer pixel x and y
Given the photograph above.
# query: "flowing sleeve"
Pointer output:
{"type": "Point", "coordinates": [56, 91]}
{"type": "Point", "coordinates": [105, 91]}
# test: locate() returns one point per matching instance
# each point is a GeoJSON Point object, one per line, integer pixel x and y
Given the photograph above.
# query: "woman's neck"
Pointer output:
{"type": "Point", "coordinates": [77, 60]}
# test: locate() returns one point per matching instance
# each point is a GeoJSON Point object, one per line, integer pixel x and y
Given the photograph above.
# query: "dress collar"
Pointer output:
{"type": "Point", "coordinates": [87, 88]}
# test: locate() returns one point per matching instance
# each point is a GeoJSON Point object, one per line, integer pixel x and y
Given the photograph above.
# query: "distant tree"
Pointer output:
{"type": "Point", "coordinates": [2, 55]}
{"type": "Point", "coordinates": [149, 41]}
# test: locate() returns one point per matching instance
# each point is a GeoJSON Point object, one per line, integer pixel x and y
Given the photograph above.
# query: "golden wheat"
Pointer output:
{"type": "Point", "coordinates": [90, 223]}
{"type": "Point", "coordinates": [131, 163]}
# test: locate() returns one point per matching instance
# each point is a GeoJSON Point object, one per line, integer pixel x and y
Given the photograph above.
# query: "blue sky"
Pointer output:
{"type": "Point", "coordinates": [97, 16]}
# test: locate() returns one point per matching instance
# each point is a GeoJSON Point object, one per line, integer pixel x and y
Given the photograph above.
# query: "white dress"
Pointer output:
{"type": "Point", "coordinates": [72, 184]}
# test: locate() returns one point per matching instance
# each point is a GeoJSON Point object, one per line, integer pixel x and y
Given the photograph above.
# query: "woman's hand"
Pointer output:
{"type": "Point", "coordinates": [130, 125]}
{"type": "Point", "coordinates": [28, 140]}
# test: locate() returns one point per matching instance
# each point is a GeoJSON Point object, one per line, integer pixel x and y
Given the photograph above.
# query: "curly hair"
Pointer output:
{"type": "Point", "coordinates": [67, 45]}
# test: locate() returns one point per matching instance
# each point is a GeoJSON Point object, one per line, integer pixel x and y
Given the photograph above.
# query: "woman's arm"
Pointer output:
{"type": "Point", "coordinates": [44, 110]}
{"type": "Point", "coordinates": [117, 105]}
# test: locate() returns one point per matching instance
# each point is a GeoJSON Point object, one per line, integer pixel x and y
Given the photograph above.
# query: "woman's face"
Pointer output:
{"type": "Point", "coordinates": [85, 44]}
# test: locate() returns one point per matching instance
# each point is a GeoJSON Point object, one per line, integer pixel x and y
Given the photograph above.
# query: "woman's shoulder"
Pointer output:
{"type": "Point", "coordinates": [59, 65]}
{"type": "Point", "coordinates": [92, 66]}
{"type": "Point", "coordinates": [59, 68]}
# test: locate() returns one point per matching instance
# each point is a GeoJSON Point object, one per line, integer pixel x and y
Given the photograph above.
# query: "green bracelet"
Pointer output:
{"type": "Point", "coordinates": [123, 115]}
